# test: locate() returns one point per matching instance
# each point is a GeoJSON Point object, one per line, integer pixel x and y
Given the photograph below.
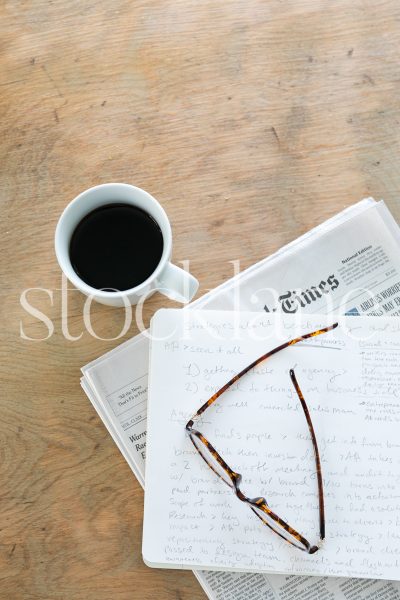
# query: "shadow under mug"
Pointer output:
{"type": "Point", "coordinates": [170, 280]}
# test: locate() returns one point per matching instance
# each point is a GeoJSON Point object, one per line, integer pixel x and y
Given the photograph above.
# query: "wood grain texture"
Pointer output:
{"type": "Point", "coordinates": [251, 122]}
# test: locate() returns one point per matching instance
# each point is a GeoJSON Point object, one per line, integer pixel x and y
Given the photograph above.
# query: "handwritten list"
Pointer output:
{"type": "Point", "coordinates": [350, 379]}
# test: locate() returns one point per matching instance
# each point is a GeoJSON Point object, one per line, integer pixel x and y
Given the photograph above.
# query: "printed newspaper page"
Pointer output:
{"type": "Point", "coordinates": [352, 267]}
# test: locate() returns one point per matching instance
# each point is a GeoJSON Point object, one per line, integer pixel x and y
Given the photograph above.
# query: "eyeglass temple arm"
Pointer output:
{"type": "Point", "coordinates": [227, 385]}
{"type": "Point", "coordinates": [316, 454]}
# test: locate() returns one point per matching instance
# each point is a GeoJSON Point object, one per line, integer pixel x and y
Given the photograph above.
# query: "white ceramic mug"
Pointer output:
{"type": "Point", "coordinates": [170, 280]}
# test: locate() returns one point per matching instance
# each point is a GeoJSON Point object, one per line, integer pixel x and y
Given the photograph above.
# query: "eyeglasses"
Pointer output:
{"type": "Point", "coordinates": [217, 464]}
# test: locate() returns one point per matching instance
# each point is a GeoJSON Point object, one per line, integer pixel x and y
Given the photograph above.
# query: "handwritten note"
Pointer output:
{"type": "Point", "coordinates": [350, 378]}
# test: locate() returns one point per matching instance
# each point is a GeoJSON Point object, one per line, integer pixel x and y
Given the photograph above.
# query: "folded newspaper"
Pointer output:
{"type": "Point", "coordinates": [349, 264]}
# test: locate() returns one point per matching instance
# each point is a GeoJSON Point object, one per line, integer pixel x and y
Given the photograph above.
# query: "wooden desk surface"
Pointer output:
{"type": "Point", "coordinates": [251, 122]}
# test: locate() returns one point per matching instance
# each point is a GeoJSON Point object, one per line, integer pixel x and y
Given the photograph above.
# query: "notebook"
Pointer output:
{"type": "Point", "coordinates": [350, 378]}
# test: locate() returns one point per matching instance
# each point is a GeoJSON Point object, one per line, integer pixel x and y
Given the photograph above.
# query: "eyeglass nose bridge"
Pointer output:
{"type": "Point", "coordinates": [252, 501]}
{"type": "Point", "coordinates": [237, 480]}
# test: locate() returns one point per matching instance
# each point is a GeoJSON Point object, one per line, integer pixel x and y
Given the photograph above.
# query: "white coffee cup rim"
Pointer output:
{"type": "Point", "coordinates": [63, 257]}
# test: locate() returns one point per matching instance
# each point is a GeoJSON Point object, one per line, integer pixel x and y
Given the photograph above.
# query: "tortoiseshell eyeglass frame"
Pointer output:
{"type": "Point", "coordinates": [260, 504]}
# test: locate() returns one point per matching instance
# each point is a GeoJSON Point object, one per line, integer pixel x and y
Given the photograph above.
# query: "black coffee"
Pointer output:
{"type": "Point", "coordinates": [116, 247]}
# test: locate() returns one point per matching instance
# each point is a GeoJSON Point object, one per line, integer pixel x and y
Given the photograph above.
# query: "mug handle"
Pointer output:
{"type": "Point", "coordinates": [177, 284]}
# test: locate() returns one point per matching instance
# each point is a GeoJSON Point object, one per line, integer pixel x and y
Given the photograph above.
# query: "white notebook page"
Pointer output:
{"type": "Point", "coordinates": [193, 521]}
